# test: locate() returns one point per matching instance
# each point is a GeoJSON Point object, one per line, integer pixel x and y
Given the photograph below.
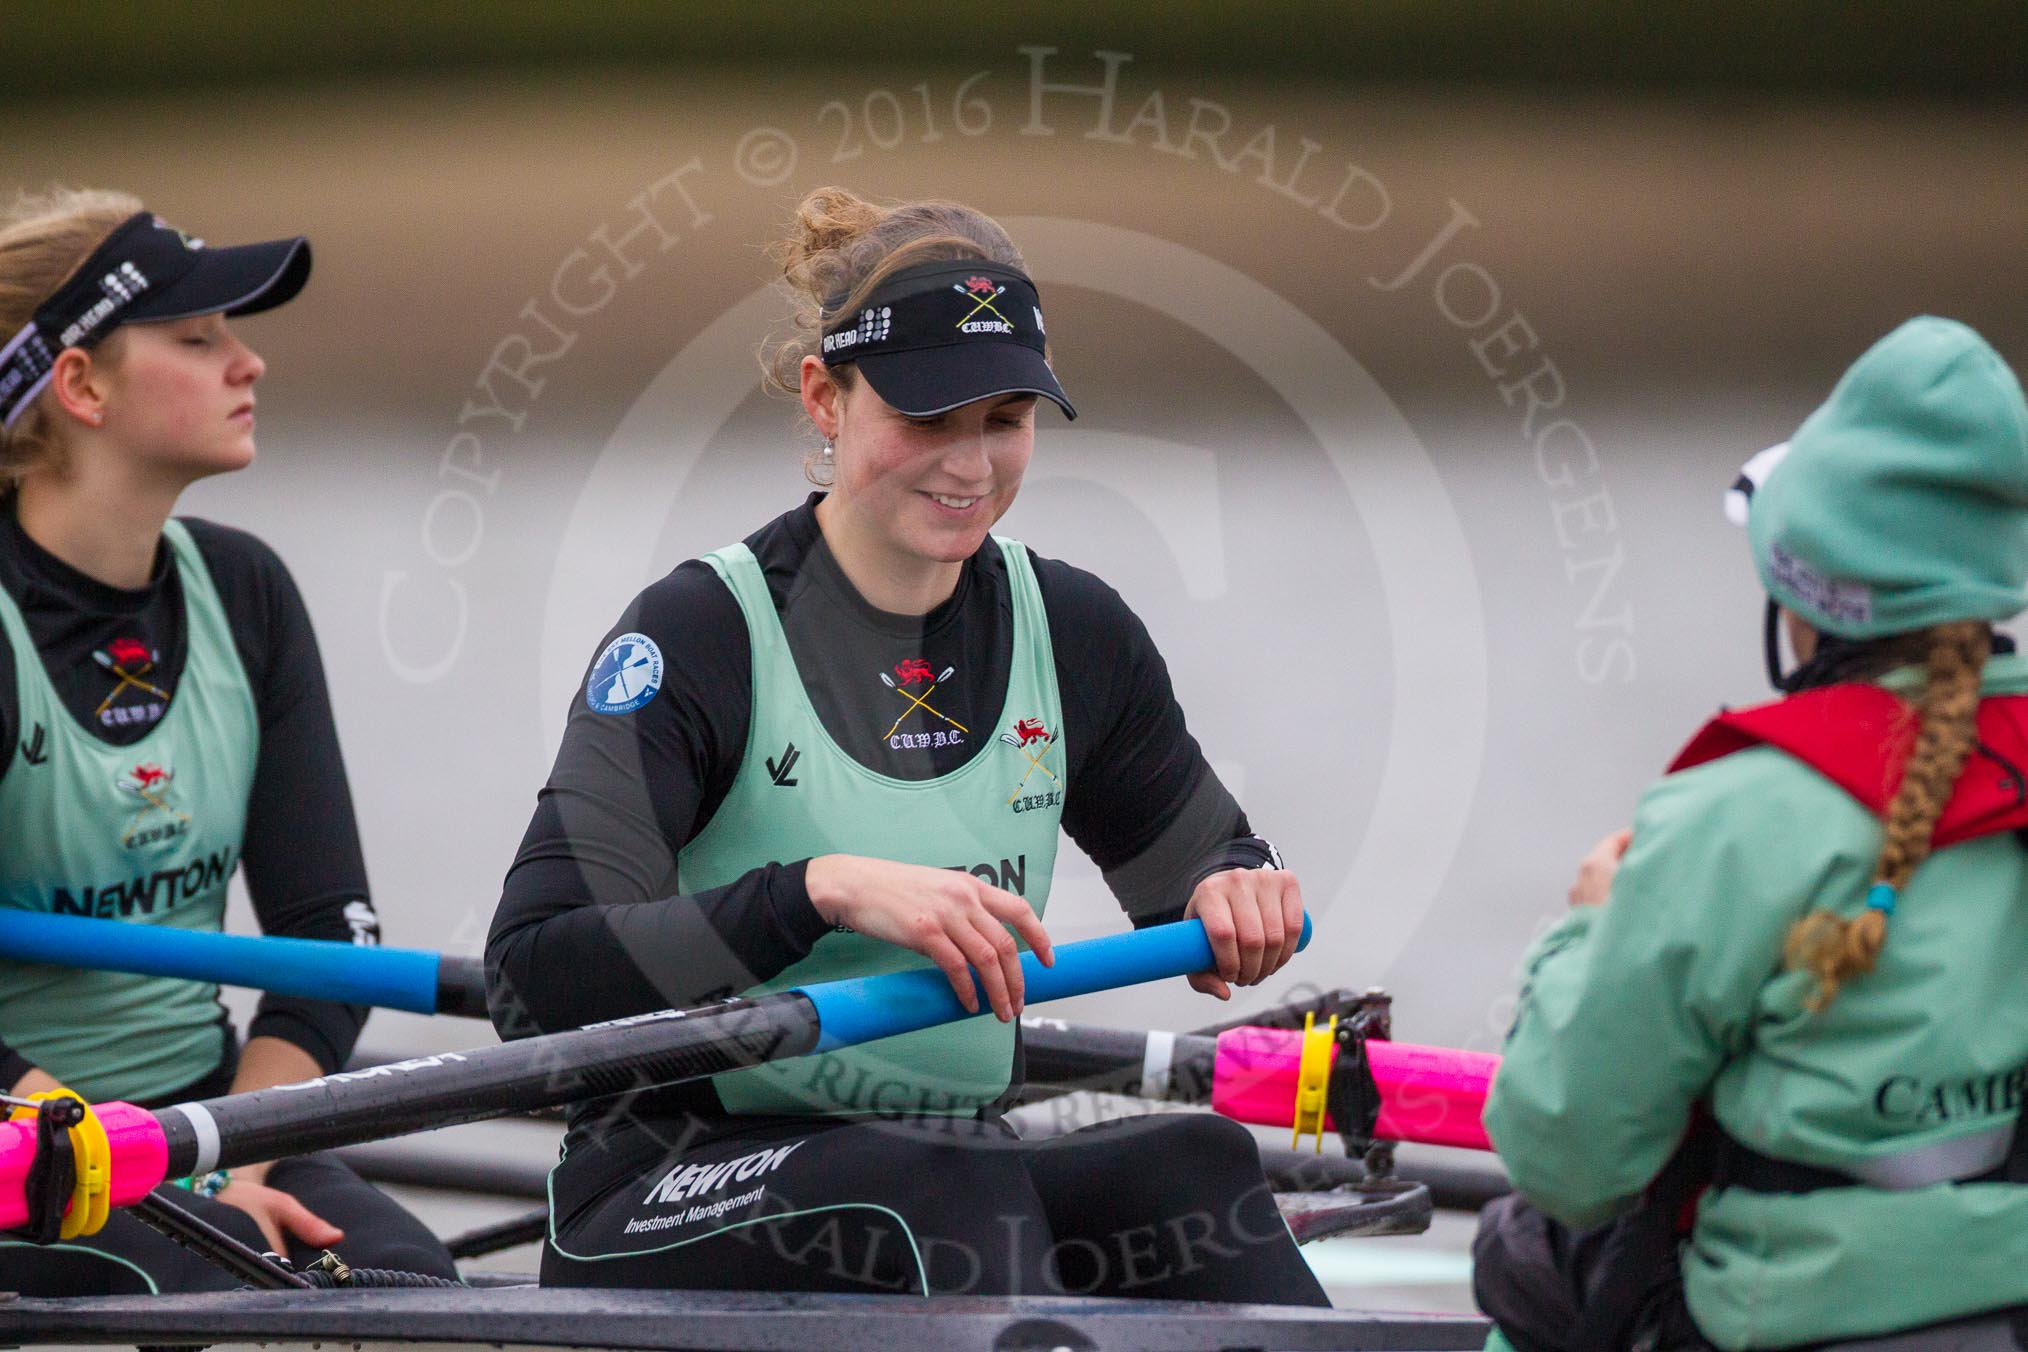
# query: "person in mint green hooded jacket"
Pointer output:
{"type": "Point", "coordinates": [1778, 1045]}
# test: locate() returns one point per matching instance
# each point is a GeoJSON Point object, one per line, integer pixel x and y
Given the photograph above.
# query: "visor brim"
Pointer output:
{"type": "Point", "coordinates": [925, 382]}
{"type": "Point", "coordinates": [241, 279]}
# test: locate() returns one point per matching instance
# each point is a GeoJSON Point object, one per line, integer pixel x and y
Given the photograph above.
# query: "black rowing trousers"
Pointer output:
{"type": "Point", "coordinates": [1168, 1207]}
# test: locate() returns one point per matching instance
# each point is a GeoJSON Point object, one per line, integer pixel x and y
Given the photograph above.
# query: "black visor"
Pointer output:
{"type": "Point", "coordinates": [936, 336]}
{"type": "Point", "coordinates": [146, 271]}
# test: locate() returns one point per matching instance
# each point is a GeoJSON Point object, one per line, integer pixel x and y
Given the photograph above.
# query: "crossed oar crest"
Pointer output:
{"type": "Point", "coordinates": [150, 783]}
{"type": "Point", "coordinates": [922, 701]}
{"type": "Point", "coordinates": [118, 658]}
{"type": "Point", "coordinates": [984, 302]}
{"type": "Point", "coordinates": [1029, 732]}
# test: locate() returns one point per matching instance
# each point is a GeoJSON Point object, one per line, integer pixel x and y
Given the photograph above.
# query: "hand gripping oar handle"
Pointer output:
{"type": "Point", "coordinates": [600, 1060]}
{"type": "Point", "coordinates": [354, 974]}
{"type": "Point", "coordinates": [862, 1009]}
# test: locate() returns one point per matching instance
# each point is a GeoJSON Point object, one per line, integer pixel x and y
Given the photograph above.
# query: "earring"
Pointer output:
{"type": "Point", "coordinates": [830, 452]}
{"type": "Point", "coordinates": [97, 417]}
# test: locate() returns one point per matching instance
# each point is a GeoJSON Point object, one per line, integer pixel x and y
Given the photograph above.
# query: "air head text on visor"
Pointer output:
{"type": "Point", "coordinates": [935, 336]}
{"type": "Point", "coordinates": [146, 271]}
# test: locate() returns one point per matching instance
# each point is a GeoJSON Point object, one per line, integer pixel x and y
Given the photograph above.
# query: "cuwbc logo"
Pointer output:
{"type": "Point", "coordinates": [158, 819]}
{"type": "Point", "coordinates": [1027, 732]}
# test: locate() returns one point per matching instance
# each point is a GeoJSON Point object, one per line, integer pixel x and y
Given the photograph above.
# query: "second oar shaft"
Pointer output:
{"type": "Point", "coordinates": [1162, 1067]}
{"type": "Point", "coordinates": [454, 1087]}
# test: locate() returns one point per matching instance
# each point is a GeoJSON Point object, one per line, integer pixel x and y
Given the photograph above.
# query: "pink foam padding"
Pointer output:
{"type": "Point", "coordinates": [1433, 1095]}
{"type": "Point", "coordinates": [1430, 1095]}
{"type": "Point", "coordinates": [140, 1158]}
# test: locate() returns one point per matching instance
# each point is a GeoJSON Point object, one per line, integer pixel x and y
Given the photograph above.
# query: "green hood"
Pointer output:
{"type": "Point", "coordinates": [1903, 501]}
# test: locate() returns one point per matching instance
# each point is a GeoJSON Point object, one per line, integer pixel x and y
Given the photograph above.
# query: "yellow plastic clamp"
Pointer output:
{"type": "Point", "coordinates": [92, 1153]}
{"type": "Point", "coordinates": [1313, 1078]}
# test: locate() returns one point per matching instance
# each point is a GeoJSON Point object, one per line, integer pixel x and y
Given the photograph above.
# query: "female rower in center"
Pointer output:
{"type": "Point", "coordinates": [846, 745]}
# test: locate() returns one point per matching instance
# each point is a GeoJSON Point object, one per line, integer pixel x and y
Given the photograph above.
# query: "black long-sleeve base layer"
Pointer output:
{"type": "Point", "coordinates": [591, 924]}
{"type": "Point", "coordinates": [304, 869]}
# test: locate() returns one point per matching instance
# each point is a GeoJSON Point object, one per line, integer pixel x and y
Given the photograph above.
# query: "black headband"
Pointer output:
{"type": "Point", "coordinates": [938, 335]}
{"type": "Point", "coordinates": [146, 270]}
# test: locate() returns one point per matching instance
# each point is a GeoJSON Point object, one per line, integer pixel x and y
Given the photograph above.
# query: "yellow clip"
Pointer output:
{"type": "Point", "coordinates": [92, 1155]}
{"type": "Point", "coordinates": [1313, 1078]}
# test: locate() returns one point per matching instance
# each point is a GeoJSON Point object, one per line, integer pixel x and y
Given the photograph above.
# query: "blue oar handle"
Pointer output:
{"type": "Point", "coordinates": [861, 1009]}
{"type": "Point", "coordinates": [390, 978]}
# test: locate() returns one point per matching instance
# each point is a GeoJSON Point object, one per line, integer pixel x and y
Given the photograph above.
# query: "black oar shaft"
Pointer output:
{"type": "Point", "coordinates": [461, 987]}
{"type": "Point", "coordinates": [1170, 1068]}
{"type": "Point", "coordinates": [456, 1087]}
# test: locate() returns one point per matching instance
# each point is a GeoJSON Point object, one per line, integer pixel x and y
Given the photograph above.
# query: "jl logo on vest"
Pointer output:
{"type": "Point", "coordinates": [159, 819]}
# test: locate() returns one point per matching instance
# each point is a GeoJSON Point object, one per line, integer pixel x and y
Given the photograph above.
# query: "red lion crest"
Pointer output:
{"type": "Point", "coordinates": [129, 652]}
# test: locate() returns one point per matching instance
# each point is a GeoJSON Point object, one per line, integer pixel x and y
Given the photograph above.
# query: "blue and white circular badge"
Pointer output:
{"type": "Point", "coordinates": [626, 676]}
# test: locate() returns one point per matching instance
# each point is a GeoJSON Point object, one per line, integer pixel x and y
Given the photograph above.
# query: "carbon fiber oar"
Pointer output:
{"type": "Point", "coordinates": [661, 1048]}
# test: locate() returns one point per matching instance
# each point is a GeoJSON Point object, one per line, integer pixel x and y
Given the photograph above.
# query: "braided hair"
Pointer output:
{"type": "Point", "coordinates": [1835, 948]}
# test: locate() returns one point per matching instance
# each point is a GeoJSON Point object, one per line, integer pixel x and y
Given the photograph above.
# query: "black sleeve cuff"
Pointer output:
{"type": "Point", "coordinates": [795, 915]}
{"type": "Point", "coordinates": [1241, 852]}
{"type": "Point", "coordinates": [13, 1065]}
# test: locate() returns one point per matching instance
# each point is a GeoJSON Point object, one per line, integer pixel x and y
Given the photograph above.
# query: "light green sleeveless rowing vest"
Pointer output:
{"type": "Point", "coordinates": [996, 816]}
{"type": "Point", "coordinates": [148, 834]}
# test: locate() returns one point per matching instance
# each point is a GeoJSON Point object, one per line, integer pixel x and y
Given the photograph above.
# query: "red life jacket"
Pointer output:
{"type": "Point", "coordinates": [1860, 736]}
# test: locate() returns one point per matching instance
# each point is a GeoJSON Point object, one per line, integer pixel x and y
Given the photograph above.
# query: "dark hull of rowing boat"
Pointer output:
{"type": "Point", "coordinates": [712, 1322]}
